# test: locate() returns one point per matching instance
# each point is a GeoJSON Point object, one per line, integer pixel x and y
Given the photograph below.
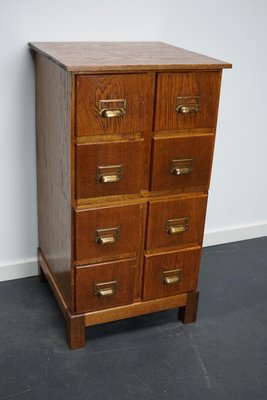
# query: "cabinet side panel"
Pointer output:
{"type": "Point", "coordinates": [53, 139]}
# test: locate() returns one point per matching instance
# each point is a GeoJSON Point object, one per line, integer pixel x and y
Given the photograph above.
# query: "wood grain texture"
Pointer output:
{"type": "Point", "coordinates": [198, 148]}
{"type": "Point", "coordinates": [188, 313]}
{"type": "Point", "coordinates": [193, 208]}
{"type": "Point", "coordinates": [128, 56]}
{"type": "Point", "coordinates": [122, 272]}
{"type": "Point", "coordinates": [75, 331]}
{"type": "Point", "coordinates": [129, 219]}
{"type": "Point", "coordinates": [73, 139]}
{"type": "Point", "coordinates": [130, 154]}
{"type": "Point", "coordinates": [53, 141]}
{"type": "Point", "coordinates": [206, 85]}
{"type": "Point", "coordinates": [155, 265]}
{"type": "Point", "coordinates": [136, 89]}
{"type": "Point", "coordinates": [43, 265]}
{"type": "Point", "coordinates": [132, 310]}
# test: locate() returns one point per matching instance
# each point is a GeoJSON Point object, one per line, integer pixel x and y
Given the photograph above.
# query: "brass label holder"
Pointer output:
{"type": "Point", "coordinates": [106, 289]}
{"type": "Point", "coordinates": [182, 166]}
{"type": "Point", "coordinates": [176, 226]}
{"type": "Point", "coordinates": [187, 104]}
{"type": "Point", "coordinates": [109, 173]}
{"type": "Point", "coordinates": [112, 108]}
{"type": "Point", "coordinates": [107, 235]}
{"type": "Point", "coordinates": [172, 277]}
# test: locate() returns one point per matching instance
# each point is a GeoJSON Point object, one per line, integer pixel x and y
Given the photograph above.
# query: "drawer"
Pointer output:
{"type": "Point", "coordinates": [110, 169]}
{"type": "Point", "coordinates": [118, 103]}
{"type": "Point", "coordinates": [187, 100]}
{"type": "Point", "coordinates": [176, 222]}
{"type": "Point", "coordinates": [181, 162]}
{"type": "Point", "coordinates": [110, 231]}
{"type": "Point", "coordinates": [104, 285]}
{"type": "Point", "coordinates": [169, 274]}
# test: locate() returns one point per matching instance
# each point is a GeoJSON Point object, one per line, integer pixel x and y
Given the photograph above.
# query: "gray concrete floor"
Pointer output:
{"type": "Point", "coordinates": [222, 356]}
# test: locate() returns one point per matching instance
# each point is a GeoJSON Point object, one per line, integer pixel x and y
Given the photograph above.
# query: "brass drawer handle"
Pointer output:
{"type": "Point", "coordinates": [112, 108]}
{"type": "Point", "coordinates": [182, 167]}
{"type": "Point", "coordinates": [109, 178]}
{"type": "Point", "coordinates": [107, 240]}
{"type": "Point", "coordinates": [106, 289]}
{"type": "Point", "coordinates": [109, 173]}
{"type": "Point", "coordinates": [172, 277]}
{"type": "Point", "coordinates": [176, 226]}
{"type": "Point", "coordinates": [107, 236]}
{"type": "Point", "coordinates": [187, 105]}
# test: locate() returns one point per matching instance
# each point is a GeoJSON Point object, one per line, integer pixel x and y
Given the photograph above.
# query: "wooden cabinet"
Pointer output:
{"type": "Point", "coordinates": [125, 137]}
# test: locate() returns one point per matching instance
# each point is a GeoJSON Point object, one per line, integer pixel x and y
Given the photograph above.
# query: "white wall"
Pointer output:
{"type": "Point", "coordinates": [231, 30]}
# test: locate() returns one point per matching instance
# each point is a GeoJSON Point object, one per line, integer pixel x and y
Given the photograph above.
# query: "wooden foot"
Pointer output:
{"type": "Point", "coordinates": [76, 331]}
{"type": "Point", "coordinates": [42, 276]}
{"type": "Point", "coordinates": [188, 313]}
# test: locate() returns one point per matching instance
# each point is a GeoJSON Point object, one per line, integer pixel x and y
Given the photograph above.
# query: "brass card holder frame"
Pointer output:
{"type": "Point", "coordinates": [172, 277]}
{"type": "Point", "coordinates": [177, 226]}
{"type": "Point", "coordinates": [107, 235]}
{"type": "Point", "coordinates": [106, 289]}
{"type": "Point", "coordinates": [187, 104]}
{"type": "Point", "coordinates": [109, 173]}
{"type": "Point", "coordinates": [112, 108]}
{"type": "Point", "coordinates": [182, 166]}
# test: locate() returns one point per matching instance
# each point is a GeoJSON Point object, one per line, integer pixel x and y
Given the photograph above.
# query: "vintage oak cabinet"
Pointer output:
{"type": "Point", "coordinates": [125, 138]}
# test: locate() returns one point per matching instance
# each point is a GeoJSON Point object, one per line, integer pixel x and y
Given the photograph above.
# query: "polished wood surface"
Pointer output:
{"type": "Point", "coordinates": [135, 309]}
{"type": "Point", "coordinates": [130, 155]}
{"type": "Point", "coordinates": [53, 142]}
{"type": "Point", "coordinates": [188, 313]}
{"type": "Point", "coordinates": [117, 56]}
{"type": "Point", "coordinates": [76, 331]}
{"type": "Point", "coordinates": [122, 272]}
{"type": "Point", "coordinates": [205, 85]}
{"type": "Point", "coordinates": [123, 177]}
{"type": "Point", "coordinates": [129, 220]}
{"type": "Point", "coordinates": [156, 265]}
{"type": "Point", "coordinates": [46, 271]}
{"type": "Point", "coordinates": [160, 212]}
{"type": "Point", "coordinates": [136, 89]}
{"type": "Point", "coordinates": [198, 148]}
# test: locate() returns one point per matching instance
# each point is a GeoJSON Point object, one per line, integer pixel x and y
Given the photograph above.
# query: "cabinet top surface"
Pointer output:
{"type": "Point", "coordinates": [116, 56]}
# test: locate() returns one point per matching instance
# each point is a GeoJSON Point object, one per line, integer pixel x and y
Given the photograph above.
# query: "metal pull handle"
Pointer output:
{"type": "Point", "coordinates": [109, 173]}
{"type": "Point", "coordinates": [176, 226]}
{"type": "Point", "coordinates": [107, 236]}
{"type": "Point", "coordinates": [112, 108]}
{"type": "Point", "coordinates": [107, 240]}
{"type": "Point", "coordinates": [172, 277]}
{"type": "Point", "coordinates": [186, 108]}
{"type": "Point", "coordinates": [182, 166]}
{"type": "Point", "coordinates": [106, 292]}
{"type": "Point", "coordinates": [109, 178]}
{"type": "Point", "coordinates": [187, 105]}
{"type": "Point", "coordinates": [116, 112]}
{"type": "Point", "coordinates": [181, 171]}
{"type": "Point", "coordinates": [174, 230]}
{"type": "Point", "coordinates": [106, 289]}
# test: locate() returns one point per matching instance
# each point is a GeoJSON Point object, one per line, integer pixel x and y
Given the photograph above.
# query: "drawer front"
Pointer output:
{"type": "Point", "coordinates": [187, 100]}
{"type": "Point", "coordinates": [104, 285]}
{"type": "Point", "coordinates": [182, 162]}
{"type": "Point", "coordinates": [108, 232]}
{"type": "Point", "coordinates": [108, 104]}
{"type": "Point", "coordinates": [171, 273]}
{"type": "Point", "coordinates": [176, 222]}
{"type": "Point", "coordinates": [110, 169]}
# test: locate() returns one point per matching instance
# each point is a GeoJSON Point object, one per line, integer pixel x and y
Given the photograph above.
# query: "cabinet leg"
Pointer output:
{"type": "Point", "coordinates": [76, 331]}
{"type": "Point", "coordinates": [188, 313]}
{"type": "Point", "coordinates": [41, 274]}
